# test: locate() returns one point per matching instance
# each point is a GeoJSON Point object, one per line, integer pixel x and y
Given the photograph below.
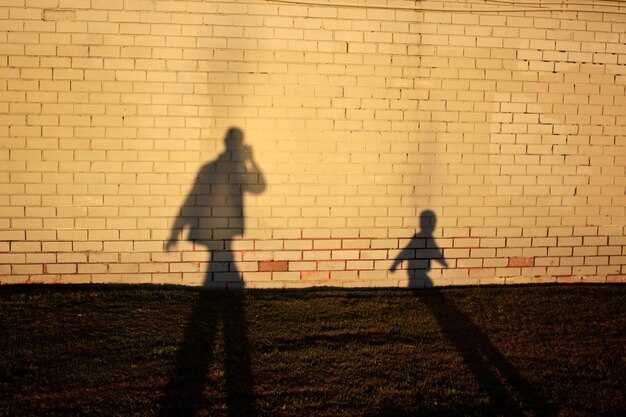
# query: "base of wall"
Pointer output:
{"type": "Point", "coordinates": [307, 263]}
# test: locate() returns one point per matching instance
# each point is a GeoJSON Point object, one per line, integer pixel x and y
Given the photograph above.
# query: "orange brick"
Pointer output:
{"type": "Point", "coordinates": [273, 266]}
{"type": "Point", "coordinates": [521, 262]}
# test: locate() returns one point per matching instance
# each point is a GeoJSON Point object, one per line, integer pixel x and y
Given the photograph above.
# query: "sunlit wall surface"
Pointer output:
{"type": "Point", "coordinates": [398, 143]}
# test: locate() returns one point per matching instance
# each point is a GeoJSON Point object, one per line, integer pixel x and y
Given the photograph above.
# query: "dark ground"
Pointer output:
{"type": "Point", "coordinates": [529, 350]}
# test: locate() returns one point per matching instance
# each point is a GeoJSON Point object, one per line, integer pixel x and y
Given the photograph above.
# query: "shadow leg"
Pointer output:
{"type": "Point", "coordinates": [511, 394]}
{"type": "Point", "coordinates": [239, 381]}
{"type": "Point", "coordinates": [183, 395]}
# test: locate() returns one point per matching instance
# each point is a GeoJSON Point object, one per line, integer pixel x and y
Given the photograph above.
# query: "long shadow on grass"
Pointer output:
{"type": "Point", "coordinates": [214, 214]}
{"type": "Point", "coordinates": [509, 392]}
{"type": "Point", "coordinates": [195, 373]}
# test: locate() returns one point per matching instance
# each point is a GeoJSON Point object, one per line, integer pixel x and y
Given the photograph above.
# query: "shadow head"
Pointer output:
{"type": "Point", "coordinates": [234, 139]}
{"type": "Point", "coordinates": [428, 221]}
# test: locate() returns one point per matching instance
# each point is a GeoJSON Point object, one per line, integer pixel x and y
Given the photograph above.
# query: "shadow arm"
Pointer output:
{"type": "Point", "coordinates": [395, 265]}
{"type": "Point", "coordinates": [441, 260]}
{"type": "Point", "coordinates": [402, 256]}
{"type": "Point", "coordinates": [258, 186]}
{"type": "Point", "coordinates": [181, 220]}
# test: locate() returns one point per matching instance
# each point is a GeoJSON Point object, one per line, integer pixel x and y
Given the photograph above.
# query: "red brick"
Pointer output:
{"type": "Point", "coordinates": [615, 278]}
{"type": "Point", "coordinates": [521, 262]}
{"type": "Point", "coordinates": [273, 266]}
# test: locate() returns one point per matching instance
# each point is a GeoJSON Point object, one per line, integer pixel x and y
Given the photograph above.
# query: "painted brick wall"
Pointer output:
{"type": "Point", "coordinates": [362, 127]}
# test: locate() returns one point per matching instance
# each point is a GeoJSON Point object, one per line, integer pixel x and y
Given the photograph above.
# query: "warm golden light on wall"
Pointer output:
{"type": "Point", "coordinates": [505, 120]}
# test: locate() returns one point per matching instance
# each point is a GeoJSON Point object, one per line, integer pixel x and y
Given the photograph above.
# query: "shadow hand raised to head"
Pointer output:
{"type": "Point", "coordinates": [247, 151]}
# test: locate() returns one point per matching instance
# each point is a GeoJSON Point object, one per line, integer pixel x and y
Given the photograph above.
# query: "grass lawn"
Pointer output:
{"type": "Point", "coordinates": [529, 350]}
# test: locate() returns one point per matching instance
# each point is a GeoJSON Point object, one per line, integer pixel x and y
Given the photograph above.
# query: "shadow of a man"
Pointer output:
{"type": "Point", "coordinates": [509, 392]}
{"type": "Point", "coordinates": [214, 209]}
{"type": "Point", "coordinates": [214, 214]}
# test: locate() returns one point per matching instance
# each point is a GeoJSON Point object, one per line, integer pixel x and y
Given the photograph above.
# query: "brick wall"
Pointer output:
{"type": "Point", "coordinates": [497, 138]}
